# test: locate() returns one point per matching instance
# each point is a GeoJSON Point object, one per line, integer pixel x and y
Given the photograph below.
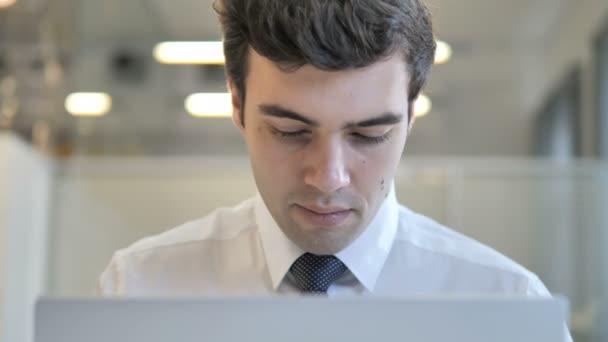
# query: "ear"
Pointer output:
{"type": "Point", "coordinates": [237, 106]}
{"type": "Point", "coordinates": [411, 116]}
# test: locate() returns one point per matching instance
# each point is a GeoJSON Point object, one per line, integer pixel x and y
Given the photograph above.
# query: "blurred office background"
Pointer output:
{"type": "Point", "coordinates": [510, 146]}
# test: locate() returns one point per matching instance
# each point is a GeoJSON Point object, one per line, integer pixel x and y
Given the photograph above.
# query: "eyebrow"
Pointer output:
{"type": "Point", "coordinates": [386, 118]}
{"type": "Point", "coordinates": [279, 112]}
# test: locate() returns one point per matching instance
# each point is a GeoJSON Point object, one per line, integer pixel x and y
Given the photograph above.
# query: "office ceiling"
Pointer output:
{"type": "Point", "coordinates": [495, 44]}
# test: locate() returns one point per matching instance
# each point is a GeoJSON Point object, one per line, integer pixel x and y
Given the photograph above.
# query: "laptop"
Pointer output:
{"type": "Point", "coordinates": [298, 319]}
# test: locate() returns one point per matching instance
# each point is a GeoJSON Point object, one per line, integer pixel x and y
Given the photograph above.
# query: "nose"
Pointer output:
{"type": "Point", "coordinates": [327, 167]}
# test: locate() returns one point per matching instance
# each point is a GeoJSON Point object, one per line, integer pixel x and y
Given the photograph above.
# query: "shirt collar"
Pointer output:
{"type": "Point", "coordinates": [279, 250]}
{"type": "Point", "coordinates": [365, 257]}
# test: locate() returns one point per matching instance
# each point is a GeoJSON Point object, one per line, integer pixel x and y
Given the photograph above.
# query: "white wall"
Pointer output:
{"type": "Point", "coordinates": [25, 180]}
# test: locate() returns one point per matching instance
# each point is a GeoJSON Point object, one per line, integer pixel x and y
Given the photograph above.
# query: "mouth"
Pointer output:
{"type": "Point", "coordinates": [323, 217]}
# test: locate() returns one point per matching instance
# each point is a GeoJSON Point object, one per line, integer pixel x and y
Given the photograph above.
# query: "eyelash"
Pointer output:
{"type": "Point", "coordinates": [359, 137]}
{"type": "Point", "coordinates": [371, 140]}
{"type": "Point", "coordinates": [288, 135]}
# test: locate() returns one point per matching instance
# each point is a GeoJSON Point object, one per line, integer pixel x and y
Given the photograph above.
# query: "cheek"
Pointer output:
{"type": "Point", "coordinates": [261, 150]}
{"type": "Point", "coordinates": [274, 163]}
{"type": "Point", "coordinates": [379, 159]}
{"type": "Point", "coordinates": [375, 168]}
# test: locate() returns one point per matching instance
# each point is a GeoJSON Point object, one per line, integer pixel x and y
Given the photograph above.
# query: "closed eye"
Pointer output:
{"type": "Point", "coordinates": [357, 137]}
{"type": "Point", "coordinates": [366, 139]}
{"type": "Point", "coordinates": [288, 134]}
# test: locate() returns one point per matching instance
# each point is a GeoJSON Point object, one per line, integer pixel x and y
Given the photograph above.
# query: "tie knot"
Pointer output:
{"type": "Point", "coordinates": [315, 273]}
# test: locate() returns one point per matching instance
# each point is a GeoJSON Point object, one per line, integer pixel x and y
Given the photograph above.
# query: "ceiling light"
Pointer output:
{"type": "Point", "coordinates": [7, 3]}
{"type": "Point", "coordinates": [189, 53]}
{"type": "Point", "coordinates": [443, 52]}
{"type": "Point", "coordinates": [422, 106]}
{"type": "Point", "coordinates": [88, 104]}
{"type": "Point", "coordinates": [214, 105]}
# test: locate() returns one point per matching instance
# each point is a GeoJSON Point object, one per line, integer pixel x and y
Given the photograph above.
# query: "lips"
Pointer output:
{"type": "Point", "coordinates": [323, 217]}
{"type": "Point", "coordinates": [324, 210]}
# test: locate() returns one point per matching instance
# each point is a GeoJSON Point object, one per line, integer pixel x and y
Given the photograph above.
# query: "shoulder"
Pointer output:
{"type": "Point", "coordinates": [463, 254]}
{"type": "Point", "coordinates": [205, 237]}
{"type": "Point", "coordinates": [221, 224]}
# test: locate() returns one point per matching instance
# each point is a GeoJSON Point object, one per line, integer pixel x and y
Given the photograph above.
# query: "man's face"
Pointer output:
{"type": "Point", "coordinates": [324, 146]}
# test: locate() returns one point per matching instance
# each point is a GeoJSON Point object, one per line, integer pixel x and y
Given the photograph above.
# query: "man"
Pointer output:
{"type": "Point", "coordinates": [323, 95]}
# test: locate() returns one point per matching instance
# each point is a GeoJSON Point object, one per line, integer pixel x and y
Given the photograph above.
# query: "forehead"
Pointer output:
{"type": "Point", "coordinates": [319, 94]}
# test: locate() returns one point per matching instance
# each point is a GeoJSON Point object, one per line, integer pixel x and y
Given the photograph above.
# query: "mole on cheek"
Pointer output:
{"type": "Point", "coordinates": [382, 185]}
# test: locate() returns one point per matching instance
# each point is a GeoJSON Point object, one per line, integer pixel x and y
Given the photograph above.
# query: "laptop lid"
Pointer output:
{"type": "Point", "coordinates": [298, 319]}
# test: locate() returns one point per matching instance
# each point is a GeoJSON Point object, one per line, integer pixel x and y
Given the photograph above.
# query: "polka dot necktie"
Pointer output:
{"type": "Point", "coordinates": [314, 274]}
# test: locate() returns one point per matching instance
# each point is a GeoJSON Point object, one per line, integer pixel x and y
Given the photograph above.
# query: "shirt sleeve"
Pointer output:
{"type": "Point", "coordinates": [111, 280]}
{"type": "Point", "coordinates": [536, 288]}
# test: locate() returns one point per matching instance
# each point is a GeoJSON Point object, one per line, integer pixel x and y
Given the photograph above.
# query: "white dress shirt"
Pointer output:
{"type": "Point", "coordinates": [242, 251]}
